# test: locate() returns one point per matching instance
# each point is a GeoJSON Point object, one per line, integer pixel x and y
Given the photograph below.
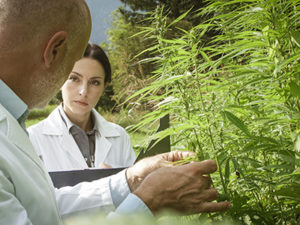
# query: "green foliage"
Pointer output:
{"type": "Point", "coordinates": [235, 100]}
{"type": "Point", "coordinates": [126, 52]}
{"type": "Point", "coordinates": [137, 220]}
{"type": "Point", "coordinates": [106, 101]}
{"type": "Point", "coordinates": [129, 75]}
{"type": "Point", "coordinates": [37, 113]}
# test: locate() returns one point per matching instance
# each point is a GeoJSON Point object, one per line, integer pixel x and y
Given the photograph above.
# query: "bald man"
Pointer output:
{"type": "Point", "coordinates": [39, 42]}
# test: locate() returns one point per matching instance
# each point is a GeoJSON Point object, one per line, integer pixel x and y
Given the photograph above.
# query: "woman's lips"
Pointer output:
{"type": "Point", "coordinates": [81, 103]}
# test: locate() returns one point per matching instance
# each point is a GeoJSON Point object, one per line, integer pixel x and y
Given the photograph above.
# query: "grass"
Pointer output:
{"type": "Point", "coordinates": [38, 115]}
{"type": "Point", "coordinates": [138, 141]}
{"type": "Point", "coordinates": [41, 113]}
{"type": "Point", "coordinates": [30, 122]}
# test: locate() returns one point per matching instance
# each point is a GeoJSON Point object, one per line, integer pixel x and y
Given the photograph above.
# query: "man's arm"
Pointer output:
{"type": "Point", "coordinates": [108, 193]}
{"type": "Point", "coordinates": [155, 183]}
{"type": "Point", "coordinates": [11, 210]}
{"type": "Point", "coordinates": [103, 195]}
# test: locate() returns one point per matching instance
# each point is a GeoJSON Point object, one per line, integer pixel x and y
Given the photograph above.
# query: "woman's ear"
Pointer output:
{"type": "Point", "coordinates": [106, 84]}
{"type": "Point", "coordinates": [55, 49]}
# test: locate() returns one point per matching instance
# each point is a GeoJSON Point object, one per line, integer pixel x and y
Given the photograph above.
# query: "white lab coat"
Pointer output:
{"type": "Point", "coordinates": [59, 151]}
{"type": "Point", "coordinates": [27, 195]}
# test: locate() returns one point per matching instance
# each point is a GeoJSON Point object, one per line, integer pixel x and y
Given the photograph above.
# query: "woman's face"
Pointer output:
{"type": "Point", "coordinates": [84, 87]}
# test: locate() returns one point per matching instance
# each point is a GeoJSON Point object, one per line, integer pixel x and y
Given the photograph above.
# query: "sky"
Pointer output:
{"type": "Point", "coordinates": [101, 17]}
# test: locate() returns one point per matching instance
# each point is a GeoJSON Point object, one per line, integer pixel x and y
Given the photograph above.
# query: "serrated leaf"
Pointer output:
{"type": "Point", "coordinates": [205, 56]}
{"type": "Point", "coordinates": [179, 18]}
{"type": "Point", "coordinates": [237, 122]}
{"type": "Point", "coordinates": [297, 144]}
{"type": "Point", "coordinates": [295, 89]}
{"type": "Point", "coordinates": [227, 171]}
{"type": "Point", "coordinates": [292, 191]}
{"type": "Point", "coordinates": [296, 37]}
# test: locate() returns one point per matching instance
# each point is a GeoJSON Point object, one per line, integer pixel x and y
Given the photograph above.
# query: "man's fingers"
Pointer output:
{"type": "Point", "coordinates": [210, 194]}
{"type": "Point", "coordinates": [204, 181]}
{"type": "Point", "coordinates": [203, 167]}
{"type": "Point", "coordinates": [207, 167]}
{"type": "Point", "coordinates": [214, 206]}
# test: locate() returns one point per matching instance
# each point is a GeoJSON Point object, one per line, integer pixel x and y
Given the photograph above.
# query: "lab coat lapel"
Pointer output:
{"type": "Point", "coordinates": [56, 126]}
{"type": "Point", "coordinates": [102, 148]}
{"type": "Point", "coordinates": [69, 145]}
{"type": "Point", "coordinates": [103, 145]}
{"type": "Point", "coordinates": [19, 137]}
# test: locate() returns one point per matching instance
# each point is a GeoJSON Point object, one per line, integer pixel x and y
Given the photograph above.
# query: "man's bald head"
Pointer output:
{"type": "Point", "coordinates": [40, 40]}
{"type": "Point", "coordinates": [29, 20]}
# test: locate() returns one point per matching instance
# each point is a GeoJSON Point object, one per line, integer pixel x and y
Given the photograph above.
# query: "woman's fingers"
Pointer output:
{"type": "Point", "coordinates": [178, 155]}
{"type": "Point", "coordinates": [104, 166]}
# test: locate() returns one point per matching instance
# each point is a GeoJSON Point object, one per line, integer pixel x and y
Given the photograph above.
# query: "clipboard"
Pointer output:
{"type": "Point", "coordinates": [73, 177]}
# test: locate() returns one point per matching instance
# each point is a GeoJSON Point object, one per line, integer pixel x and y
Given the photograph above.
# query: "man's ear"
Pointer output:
{"type": "Point", "coordinates": [55, 48]}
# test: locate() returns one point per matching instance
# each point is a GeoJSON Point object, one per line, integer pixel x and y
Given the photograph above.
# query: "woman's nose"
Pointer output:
{"type": "Point", "coordinates": [83, 90]}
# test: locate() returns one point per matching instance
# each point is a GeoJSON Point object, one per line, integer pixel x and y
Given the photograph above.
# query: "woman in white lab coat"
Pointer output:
{"type": "Point", "coordinates": [75, 135]}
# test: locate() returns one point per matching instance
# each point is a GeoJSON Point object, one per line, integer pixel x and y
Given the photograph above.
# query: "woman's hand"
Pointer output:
{"type": "Point", "coordinates": [104, 166]}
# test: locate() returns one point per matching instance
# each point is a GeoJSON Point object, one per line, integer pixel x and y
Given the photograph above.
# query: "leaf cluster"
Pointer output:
{"type": "Point", "coordinates": [235, 99]}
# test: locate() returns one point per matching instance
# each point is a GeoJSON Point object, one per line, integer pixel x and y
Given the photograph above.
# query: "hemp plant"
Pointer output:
{"type": "Point", "coordinates": [235, 98]}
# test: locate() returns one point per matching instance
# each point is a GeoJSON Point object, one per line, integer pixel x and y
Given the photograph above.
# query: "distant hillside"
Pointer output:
{"type": "Point", "coordinates": [101, 17]}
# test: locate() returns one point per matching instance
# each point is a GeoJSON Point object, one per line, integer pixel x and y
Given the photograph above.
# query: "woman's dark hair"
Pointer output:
{"type": "Point", "coordinates": [96, 52]}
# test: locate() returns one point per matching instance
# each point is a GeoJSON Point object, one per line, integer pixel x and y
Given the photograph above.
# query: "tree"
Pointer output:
{"type": "Point", "coordinates": [129, 74]}
{"type": "Point", "coordinates": [175, 7]}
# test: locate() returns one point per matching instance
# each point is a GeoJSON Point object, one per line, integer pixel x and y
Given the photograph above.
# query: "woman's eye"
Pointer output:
{"type": "Point", "coordinates": [95, 82]}
{"type": "Point", "coordinates": [73, 78]}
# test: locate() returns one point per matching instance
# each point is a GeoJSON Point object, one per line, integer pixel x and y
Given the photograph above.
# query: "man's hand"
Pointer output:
{"type": "Point", "coordinates": [136, 174]}
{"type": "Point", "coordinates": [186, 189]}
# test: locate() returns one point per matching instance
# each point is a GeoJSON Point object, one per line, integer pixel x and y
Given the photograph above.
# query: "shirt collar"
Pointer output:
{"type": "Point", "coordinates": [12, 103]}
{"type": "Point", "coordinates": [70, 124]}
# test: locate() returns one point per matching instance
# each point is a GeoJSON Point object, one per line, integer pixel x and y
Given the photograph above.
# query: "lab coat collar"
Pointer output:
{"type": "Point", "coordinates": [18, 136]}
{"type": "Point", "coordinates": [54, 125]}
{"type": "Point", "coordinates": [11, 102]}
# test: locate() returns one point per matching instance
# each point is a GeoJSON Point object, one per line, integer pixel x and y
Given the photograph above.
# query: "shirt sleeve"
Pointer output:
{"type": "Point", "coordinates": [107, 195]}
{"type": "Point", "coordinates": [119, 187]}
{"type": "Point", "coordinates": [126, 202]}
{"type": "Point", "coordinates": [86, 196]}
{"type": "Point", "coordinates": [133, 205]}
